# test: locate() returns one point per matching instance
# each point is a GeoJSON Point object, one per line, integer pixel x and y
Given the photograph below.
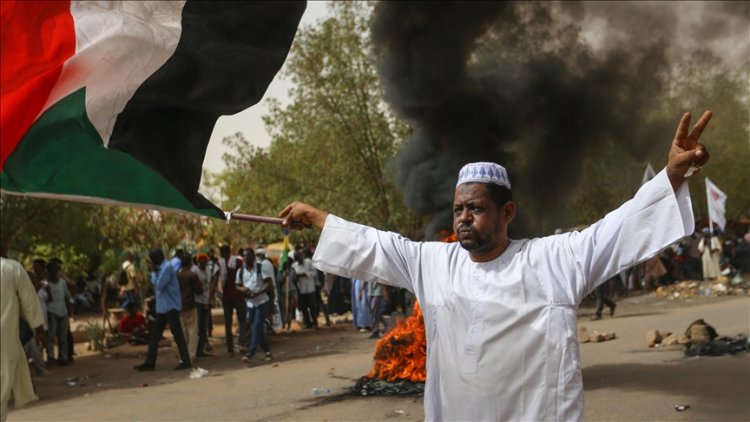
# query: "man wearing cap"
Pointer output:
{"type": "Point", "coordinates": [129, 292]}
{"type": "Point", "coordinates": [500, 313]}
{"type": "Point", "coordinates": [254, 282]}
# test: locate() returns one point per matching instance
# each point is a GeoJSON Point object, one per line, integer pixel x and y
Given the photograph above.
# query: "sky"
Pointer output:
{"type": "Point", "coordinates": [249, 121]}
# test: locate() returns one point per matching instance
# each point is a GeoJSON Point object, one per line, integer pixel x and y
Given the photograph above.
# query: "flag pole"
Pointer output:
{"type": "Point", "coordinates": [255, 218]}
{"type": "Point", "coordinates": [232, 215]}
{"type": "Point", "coordinates": [708, 204]}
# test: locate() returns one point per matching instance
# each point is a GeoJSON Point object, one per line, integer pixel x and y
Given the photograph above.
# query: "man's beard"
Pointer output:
{"type": "Point", "coordinates": [479, 243]}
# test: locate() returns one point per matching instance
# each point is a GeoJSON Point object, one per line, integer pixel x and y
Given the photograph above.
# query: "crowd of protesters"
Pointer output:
{"type": "Point", "coordinates": [703, 256]}
{"type": "Point", "coordinates": [260, 296]}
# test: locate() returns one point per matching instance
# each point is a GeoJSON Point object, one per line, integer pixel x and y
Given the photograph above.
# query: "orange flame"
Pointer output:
{"type": "Point", "coordinates": [402, 352]}
{"type": "Point", "coordinates": [447, 237]}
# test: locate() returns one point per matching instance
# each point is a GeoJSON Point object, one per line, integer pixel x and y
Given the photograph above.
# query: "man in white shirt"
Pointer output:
{"type": "Point", "coordinates": [306, 282]}
{"type": "Point", "coordinates": [17, 298]}
{"type": "Point", "coordinates": [207, 276]}
{"type": "Point", "coordinates": [253, 282]}
{"type": "Point", "coordinates": [58, 314]}
{"type": "Point", "coordinates": [500, 314]}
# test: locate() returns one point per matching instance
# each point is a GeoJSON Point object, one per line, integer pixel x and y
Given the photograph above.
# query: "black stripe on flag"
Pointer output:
{"type": "Point", "coordinates": [226, 57]}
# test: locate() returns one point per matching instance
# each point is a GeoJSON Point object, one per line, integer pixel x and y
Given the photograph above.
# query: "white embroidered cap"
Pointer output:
{"type": "Point", "coordinates": [483, 172]}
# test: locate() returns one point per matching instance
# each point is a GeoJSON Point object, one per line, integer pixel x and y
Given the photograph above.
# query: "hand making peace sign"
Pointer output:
{"type": "Point", "coordinates": [686, 155]}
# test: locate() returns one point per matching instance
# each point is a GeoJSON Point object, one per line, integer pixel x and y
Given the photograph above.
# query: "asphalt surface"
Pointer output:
{"type": "Point", "coordinates": [624, 380]}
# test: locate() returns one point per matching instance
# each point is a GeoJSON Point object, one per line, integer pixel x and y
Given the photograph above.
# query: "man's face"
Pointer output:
{"type": "Point", "coordinates": [53, 272]}
{"type": "Point", "coordinates": [202, 263]}
{"type": "Point", "coordinates": [34, 280]}
{"type": "Point", "coordinates": [249, 259]}
{"type": "Point", "coordinates": [478, 224]}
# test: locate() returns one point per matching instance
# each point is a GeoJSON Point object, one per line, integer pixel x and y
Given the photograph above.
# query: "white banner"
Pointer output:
{"type": "Point", "coordinates": [716, 204]}
{"type": "Point", "coordinates": [648, 174]}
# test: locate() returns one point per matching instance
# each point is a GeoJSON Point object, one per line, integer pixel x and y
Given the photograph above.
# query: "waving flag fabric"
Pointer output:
{"type": "Point", "coordinates": [648, 174]}
{"type": "Point", "coordinates": [716, 204]}
{"type": "Point", "coordinates": [115, 102]}
{"type": "Point", "coordinates": [285, 249]}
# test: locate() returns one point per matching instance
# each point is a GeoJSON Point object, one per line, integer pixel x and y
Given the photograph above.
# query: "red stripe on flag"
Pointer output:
{"type": "Point", "coordinates": [37, 37]}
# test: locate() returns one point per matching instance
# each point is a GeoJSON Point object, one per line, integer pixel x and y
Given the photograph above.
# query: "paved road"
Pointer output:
{"type": "Point", "coordinates": [624, 380]}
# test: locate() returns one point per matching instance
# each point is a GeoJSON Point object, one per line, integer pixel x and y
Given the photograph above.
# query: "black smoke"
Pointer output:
{"type": "Point", "coordinates": [519, 84]}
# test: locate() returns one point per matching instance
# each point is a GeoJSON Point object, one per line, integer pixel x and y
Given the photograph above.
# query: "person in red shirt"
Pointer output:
{"type": "Point", "coordinates": [133, 326]}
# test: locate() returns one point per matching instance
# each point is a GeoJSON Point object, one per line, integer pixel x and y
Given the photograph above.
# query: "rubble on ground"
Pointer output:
{"type": "Point", "coordinates": [655, 337]}
{"type": "Point", "coordinates": [700, 332]}
{"type": "Point", "coordinates": [722, 286]}
{"type": "Point", "coordinates": [595, 337]}
{"type": "Point", "coordinates": [670, 340]}
{"type": "Point", "coordinates": [700, 339]}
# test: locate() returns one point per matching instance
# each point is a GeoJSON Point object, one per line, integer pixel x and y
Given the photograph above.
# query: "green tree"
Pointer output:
{"type": "Point", "coordinates": [45, 228]}
{"type": "Point", "coordinates": [123, 229]}
{"type": "Point", "coordinates": [88, 237]}
{"type": "Point", "coordinates": [330, 144]}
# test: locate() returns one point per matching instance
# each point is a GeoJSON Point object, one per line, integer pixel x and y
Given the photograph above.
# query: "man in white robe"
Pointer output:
{"type": "Point", "coordinates": [500, 314]}
{"type": "Point", "coordinates": [17, 297]}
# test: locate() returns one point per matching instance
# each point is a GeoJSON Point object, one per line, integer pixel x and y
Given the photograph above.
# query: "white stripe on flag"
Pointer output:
{"type": "Point", "coordinates": [716, 203]}
{"type": "Point", "coordinates": [118, 46]}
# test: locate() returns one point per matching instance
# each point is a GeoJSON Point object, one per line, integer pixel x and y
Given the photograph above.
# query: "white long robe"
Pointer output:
{"type": "Point", "coordinates": [17, 297]}
{"type": "Point", "coordinates": [501, 335]}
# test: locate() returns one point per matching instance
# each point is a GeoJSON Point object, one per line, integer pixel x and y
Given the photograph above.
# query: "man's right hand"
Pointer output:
{"type": "Point", "coordinates": [298, 215]}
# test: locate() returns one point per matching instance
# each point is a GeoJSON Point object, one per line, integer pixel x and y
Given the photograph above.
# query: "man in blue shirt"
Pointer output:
{"type": "Point", "coordinates": [177, 260]}
{"type": "Point", "coordinates": [168, 306]}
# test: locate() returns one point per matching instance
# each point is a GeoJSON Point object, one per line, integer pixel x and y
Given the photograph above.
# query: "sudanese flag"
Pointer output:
{"type": "Point", "coordinates": [115, 102]}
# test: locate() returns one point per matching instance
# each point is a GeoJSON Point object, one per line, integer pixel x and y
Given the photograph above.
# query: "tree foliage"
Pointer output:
{"type": "Point", "coordinates": [124, 229]}
{"type": "Point", "coordinates": [88, 237]}
{"type": "Point", "coordinates": [45, 228]}
{"type": "Point", "coordinates": [332, 142]}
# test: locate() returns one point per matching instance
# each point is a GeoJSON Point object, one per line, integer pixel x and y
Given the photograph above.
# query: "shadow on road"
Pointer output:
{"type": "Point", "coordinates": [718, 378]}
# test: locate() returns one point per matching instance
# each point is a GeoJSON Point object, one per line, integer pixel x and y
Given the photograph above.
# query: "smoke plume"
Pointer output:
{"type": "Point", "coordinates": [537, 87]}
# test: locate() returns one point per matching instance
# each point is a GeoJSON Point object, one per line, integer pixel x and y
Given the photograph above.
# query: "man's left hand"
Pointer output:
{"type": "Point", "coordinates": [686, 153]}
